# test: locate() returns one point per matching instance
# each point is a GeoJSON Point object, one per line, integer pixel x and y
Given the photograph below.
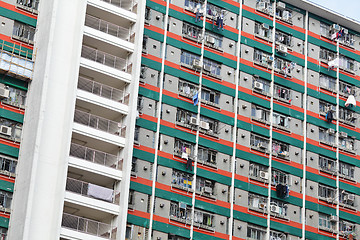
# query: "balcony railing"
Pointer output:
{"type": "Point", "coordinates": [105, 59]}
{"type": "Point", "coordinates": [103, 90]}
{"type": "Point", "coordinates": [95, 156]}
{"type": "Point", "coordinates": [109, 28]}
{"type": "Point", "coordinates": [92, 190]}
{"type": "Point", "coordinates": [130, 5]}
{"type": "Point", "coordinates": [99, 123]}
{"type": "Point", "coordinates": [88, 226]}
{"type": "Point", "coordinates": [14, 65]}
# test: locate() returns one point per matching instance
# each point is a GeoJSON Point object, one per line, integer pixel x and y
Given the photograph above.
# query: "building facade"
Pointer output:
{"type": "Point", "coordinates": [18, 22]}
{"type": "Point", "coordinates": [248, 123]}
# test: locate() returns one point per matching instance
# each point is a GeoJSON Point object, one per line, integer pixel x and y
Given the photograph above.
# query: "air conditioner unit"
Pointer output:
{"type": "Point", "coordinates": [265, 26]}
{"type": "Point", "coordinates": [196, 64]}
{"type": "Point", "coordinates": [349, 198]}
{"type": "Point", "coordinates": [331, 131]}
{"type": "Point", "coordinates": [4, 91]}
{"type": "Point", "coordinates": [258, 85]}
{"type": "Point", "coordinates": [261, 145]}
{"type": "Point", "coordinates": [204, 125]}
{"type": "Point", "coordinates": [262, 205]}
{"type": "Point", "coordinates": [210, 40]}
{"type": "Point", "coordinates": [5, 130]}
{"type": "Point", "coordinates": [286, 15]}
{"type": "Point", "coordinates": [193, 121]}
{"type": "Point", "coordinates": [281, 5]}
{"type": "Point", "coordinates": [262, 6]}
{"type": "Point", "coordinates": [274, 209]}
{"type": "Point", "coordinates": [335, 27]}
{"type": "Point", "coordinates": [208, 190]}
{"type": "Point", "coordinates": [343, 134]}
{"type": "Point", "coordinates": [333, 218]}
{"type": "Point", "coordinates": [345, 31]}
{"type": "Point", "coordinates": [282, 49]}
{"type": "Point", "coordinates": [264, 175]}
{"type": "Point", "coordinates": [207, 68]}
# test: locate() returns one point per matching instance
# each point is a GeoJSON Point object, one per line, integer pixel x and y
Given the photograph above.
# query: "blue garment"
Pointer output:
{"type": "Point", "coordinates": [196, 99]}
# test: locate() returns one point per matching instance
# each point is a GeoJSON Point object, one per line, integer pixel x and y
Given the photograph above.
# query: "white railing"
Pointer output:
{"type": "Point", "coordinates": [130, 5]}
{"type": "Point", "coordinates": [84, 189]}
{"type": "Point", "coordinates": [99, 123]}
{"type": "Point", "coordinates": [105, 59]}
{"type": "Point", "coordinates": [95, 156]}
{"type": "Point", "coordinates": [103, 90]}
{"type": "Point", "coordinates": [109, 28]}
{"type": "Point", "coordinates": [87, 226]}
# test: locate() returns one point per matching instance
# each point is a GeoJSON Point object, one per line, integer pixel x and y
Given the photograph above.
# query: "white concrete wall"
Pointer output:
{"type": "Point", "coordinates": [42, 168]}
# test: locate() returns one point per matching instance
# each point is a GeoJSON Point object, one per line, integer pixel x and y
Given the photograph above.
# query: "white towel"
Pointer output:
{"type": "Point", "coordinates": [99, 192]}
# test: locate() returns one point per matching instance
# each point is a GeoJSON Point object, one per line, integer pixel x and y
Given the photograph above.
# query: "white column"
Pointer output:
{"type": "Point", "coordinates": [40, 184]}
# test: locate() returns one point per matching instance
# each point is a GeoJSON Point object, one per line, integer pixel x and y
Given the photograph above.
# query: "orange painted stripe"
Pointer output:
{"type": "Point", "coordinates": [12, 109]}
{"type": "Point", "coordinates": [9, 143]}
{"type": "Point", "coordinates": [170, 189]}
{"type": "Point", "coordinates": [155, 29]}
{"type": "Point", "coordinates": [139, 213]}
{"type": "Point", "coordinates": [141, 180]}
{"type": "Point", "coordinates": [7, 179]}
{"type": "Point", "coordinates": [14, 9]}
{"type": "Point", "coordinates": [145, 149]}
{"type": "Point", "coordinates": [14, 41]}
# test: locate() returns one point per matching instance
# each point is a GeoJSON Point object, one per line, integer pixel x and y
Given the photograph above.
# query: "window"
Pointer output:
{"type": "Point", "coordinates": [346, 63]}
{"type": "Point", "coordinates": [346, 143]}
{"type": "Point", "coordinates": [327, 193]}
{"type": "Point", "coordinates": [187, 89]}
{"type": "Point", "coordinates": [194, 32]}
{"type": "Point", "coordinates": [280, 120]}
{"type": "Point", "coordinates": [191, 4]}
{"type": "Point", "coordinates": [28, 4]}
{"type": "Point", "coordinates": [16, 97]}
{"type": "Point", "coordinates": [181, 180]}
{"type": "Point", "coordinates": [260, 114]}
{"type": "Point", "coordinates": [213, 40]}
{"type": "Point", "coordinates": [140, 103]}
{"type": "Point", "coordinates": [183, 149]}
{"type": "Point", "coordinates": [346, 228]}
{"type": "Point", "coordinates": [283, 38]}
{"type": "Point", "coordinates": [263, 30]}
{"type": "Point", "coordinates": [5, 199]}
{"type": "Point", "coordinates": [188, 58]}
{"type": "Point", "coordinates": [259, 143]}
{"type": "Point", "coordinates": [327, 82]}
{"type": "Point", "coordinates": [203, 219]}
{"type": "Point", "coordinates": [346, 198]}
{"type": "Point", "coordinates": [131, 199]}
{"type": "Point", "coordinates": [204, 186]}
{"type": "Point", "coordinates": [324, 107]}
{"type": "Point", "coordinates": [207, 156]}
{"type": "Point", "coordinates": [328, 31]}
{"type": "Point", "coordinates": [327, 164]}
{"type": "Point", "coordinates": [261, 85]}
{"type": "Point", "coordinates": [326, 55]}
{"type": "Point", "coordinates": [185, 117]}
{"type": "Point", "coordinates": [256, 233]}
{"type": "Point", "coordinates": [210, 97]}
{"type": "Point", "coordinates": [23, 32]}
{"type": "Point", "coordinates": [147, 14]}
{"type": "Point", "coordinates": [278, 208]}
{"type": "Point", "coordinates": [173, 237]}
{"type": "Point", "coordinates": [346, 170]}
{"type": "Point", "coordinates": [264, 6]}
{"type": "Point", "coordinates": [284, 14]}
{"type": "Point", "coordinates": [283, 66]}
{"type": "Point", "coordinates": [191, 31]}
{"type": "Point", "coordinates": [257, 202]}
{"type": "Point", "coordinates": [259, 172]}
{"type": "Point", "coordinates": [327, 136]}
{"type": "Point", "coordinates": [10, 129]}
{"type": "Point", "coordinates": [346, 89]}
{"type": "Point", "coordinates": [144, 44]}
{"type": "Point", "coordinates": [133, 166]}
{"type": "Point", "coordinates": [180, 212]}
{"type": "Point", "coordinates": [210, 126]}
{"type": "Point", "coordinates": [262, 58]}
{"type": "Point", "coordinates": [7, 164]}
{"type": "Point", "coordinates": [136, 134]}
{"type": "Point", "coordinates": [325, 222]}
{"type": "Point", "coordinates": [279, 177]}
{"type": "Point", "coordinates": [280, 149]}
{"type": "Point", "coordinates": [282, 93]}
{"type": "Point", "coordinates": [211, 67]}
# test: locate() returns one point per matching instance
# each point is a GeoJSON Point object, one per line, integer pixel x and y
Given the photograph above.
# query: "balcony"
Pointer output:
{"type": "Point", "coordinates": [16, 66]}
{"type": "Point", "coordinates": [95, 156]}
{"type": "Point", "coordinates": [109, 28]}
{"type": "Point", "coordinates": [106, 59]}
{"type": "Point", "coordinates": [99, 123]}
{"type": "Point", "coordinates": [129, 5]}
{"type": "Point", "coordinates": [103, 90]}
{"type": "Point", "coordinates": [88, 226]}
{"type": "Point", "coordinates": [92, 190]}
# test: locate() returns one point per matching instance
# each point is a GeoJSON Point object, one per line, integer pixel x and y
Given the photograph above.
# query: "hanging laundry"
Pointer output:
{"type": "Point", "coordinates": [333, 36]}
{"type": "Point", "coordinates": [329, 116]}
{"type": "Point", "coordinates": [333, 64]}
{"type": "Point", "coordinates": [184, 155]}
{"type": "Point", "coordinates": [281, 191]}
{"type": "Point", "coordinates": [196, 98]}
{"type": "Point", "coordinates": [189, 164]}
{"type": "Point", "coordinates": [351, 101]}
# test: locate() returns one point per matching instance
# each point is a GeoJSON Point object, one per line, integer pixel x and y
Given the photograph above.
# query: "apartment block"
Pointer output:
{"type": "Point", "coordinates": [247, 123]}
